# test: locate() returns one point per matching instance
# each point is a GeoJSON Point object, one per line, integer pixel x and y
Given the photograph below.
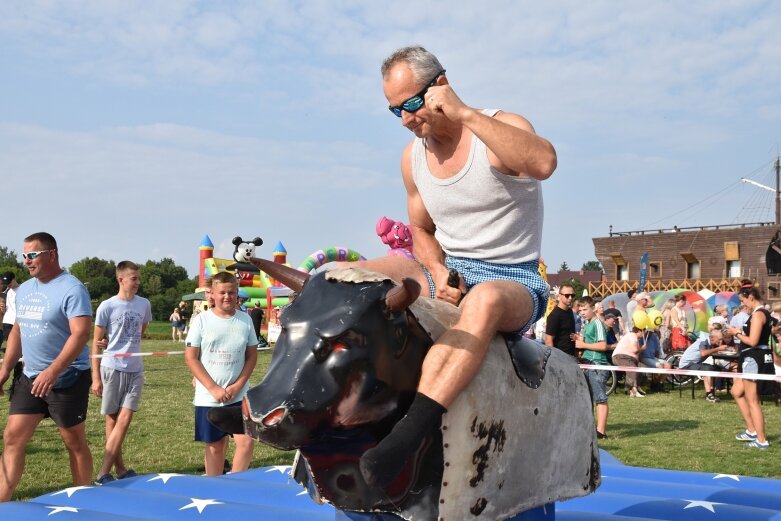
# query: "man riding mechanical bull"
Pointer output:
{"type": "Point", "coordinates": [475, 205]}
{"type": "Point", "coordinates": [475, 209]}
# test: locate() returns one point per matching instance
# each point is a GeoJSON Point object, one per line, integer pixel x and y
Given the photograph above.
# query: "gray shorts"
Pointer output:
{"type": "Point", "coordinates": [120, 389]}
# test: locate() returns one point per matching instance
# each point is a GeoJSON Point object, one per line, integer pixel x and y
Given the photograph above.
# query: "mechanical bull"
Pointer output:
{"type": "Point", "coordinates": [345, 369]}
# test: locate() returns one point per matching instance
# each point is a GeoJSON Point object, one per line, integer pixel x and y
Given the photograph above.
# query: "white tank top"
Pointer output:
{"type": "Point", "coordinates": [481, 213]}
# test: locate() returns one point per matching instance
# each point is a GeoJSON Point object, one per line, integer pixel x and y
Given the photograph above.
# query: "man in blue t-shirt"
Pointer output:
{"type": "Point", "coordinates": [53, 319]}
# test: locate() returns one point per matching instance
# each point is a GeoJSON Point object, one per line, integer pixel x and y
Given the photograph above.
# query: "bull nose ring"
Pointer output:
{"type": "Point", "coordinates": [274, 417]}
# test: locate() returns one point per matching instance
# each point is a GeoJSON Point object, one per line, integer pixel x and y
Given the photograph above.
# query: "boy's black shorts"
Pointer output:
{"type": "Point", "coordinates": [66, 406]}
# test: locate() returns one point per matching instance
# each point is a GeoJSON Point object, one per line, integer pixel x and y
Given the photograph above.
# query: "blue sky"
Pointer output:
{"type": "Point", "coordinates": [132, 129]}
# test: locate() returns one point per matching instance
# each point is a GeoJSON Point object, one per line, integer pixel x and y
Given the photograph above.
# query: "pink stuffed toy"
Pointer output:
{"type": "Point", "coordinates": [397, 235]}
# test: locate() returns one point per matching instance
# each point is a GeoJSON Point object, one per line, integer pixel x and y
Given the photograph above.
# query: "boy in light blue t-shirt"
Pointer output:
{"type": "Point", "coordinates": [120, 323]}
{"type": "Point", "coordinates": [221, 353]}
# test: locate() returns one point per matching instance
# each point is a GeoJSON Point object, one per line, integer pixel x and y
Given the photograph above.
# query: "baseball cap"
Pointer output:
{"type": "Point", "coordinates": [8, 276]}
{"type": "Point", "coordinates": [644, 295]}
{"type": "Point", "coordinates": [609, 315]}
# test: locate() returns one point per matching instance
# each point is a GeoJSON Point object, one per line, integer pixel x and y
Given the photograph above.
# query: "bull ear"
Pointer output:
{"type": "Point", "coordinates": [401, 297]}
{"type": "Point", "coordinates": [290, 277]}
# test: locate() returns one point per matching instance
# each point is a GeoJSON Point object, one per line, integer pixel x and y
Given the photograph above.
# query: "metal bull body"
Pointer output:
{"type": "Point", "coordinates": [345, 369]}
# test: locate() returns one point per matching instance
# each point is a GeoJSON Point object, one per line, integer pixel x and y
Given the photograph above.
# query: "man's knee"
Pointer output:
{"type": "Point", "coordinates": [19, 430]}
{"type": "Point", "coordinates": [502, 308]}
{"type": "Point", "coordinates": [75, 438]}
{"type": "Point", "coordinates": [243, 441]}
{"type": "Point", "coordinates": [483, 296]}
{"type": "Point", "coordinates": [124, 417]}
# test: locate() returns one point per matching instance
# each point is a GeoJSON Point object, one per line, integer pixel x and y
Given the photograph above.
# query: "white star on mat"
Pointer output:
{"type": "Point", "coordinates": [279, 468]}
{"type": "Point", "coordinates": [57, 510]}
{"type": "Point", "coordinates": [729, 476]}
{"type": "Point", "coordinates": [70, 491]}
{"type": "Point", "coordinates": [164, 477]}
{"type": "Point", "coordinates": [707, 505]}
{"type": "Point", "coordinates": [200, 504]}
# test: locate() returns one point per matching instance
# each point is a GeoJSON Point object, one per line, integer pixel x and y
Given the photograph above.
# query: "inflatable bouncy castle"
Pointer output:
{"type": "Point", "coordinates": [258, 285]}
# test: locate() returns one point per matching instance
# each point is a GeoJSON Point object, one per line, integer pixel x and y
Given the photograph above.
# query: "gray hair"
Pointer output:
{"type": "Point", "coordinates": [421, 62]}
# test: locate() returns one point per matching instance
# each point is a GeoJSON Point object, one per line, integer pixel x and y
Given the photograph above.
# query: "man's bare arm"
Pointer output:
{"type": "Point", "coordinates": [513, 146]}
{"type": "Point", "coordinates": [427, 249]}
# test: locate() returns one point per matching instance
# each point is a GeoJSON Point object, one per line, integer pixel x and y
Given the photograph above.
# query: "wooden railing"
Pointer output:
{"type": "Point", "coordinates": [602, 289]}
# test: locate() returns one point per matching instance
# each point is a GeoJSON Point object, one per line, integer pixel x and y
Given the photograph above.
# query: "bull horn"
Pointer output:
{"type": "Point", "coordinates": [290, 277]}
{"type": "Point", "coordinates": [401, 297]}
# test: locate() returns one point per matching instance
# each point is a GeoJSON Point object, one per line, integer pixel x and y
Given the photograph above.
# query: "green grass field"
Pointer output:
{"type": "Point", "coordinates": [662, 430]}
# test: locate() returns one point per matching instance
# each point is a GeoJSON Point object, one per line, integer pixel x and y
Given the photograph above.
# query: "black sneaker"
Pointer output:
{"type": "Point", "coordinates": [129, 473]}
{"type": "Point", "coordinates": [712, 398]}
{"type": "Point", "coordinates": [105, 478]}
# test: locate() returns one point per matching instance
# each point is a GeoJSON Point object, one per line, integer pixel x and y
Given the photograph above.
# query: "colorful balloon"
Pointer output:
{"type": "Point", "coordinates": [640, 319]}
{"type": "Point", "coordinates": [655, 318]}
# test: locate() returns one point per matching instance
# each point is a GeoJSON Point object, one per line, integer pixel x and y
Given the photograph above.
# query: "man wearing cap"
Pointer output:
{"type": "Point", "coordinates": [643, 302]}
{"type": "Point", "coordinates": [652, 356]}
{"type": "Point", "coordinates": [611, 309]}
{"type": "Point", "coordinates": [9, 281]}
{"type": "Point", "coordinates": [610, 322]}
{"type": "Point", "coordinates": [53, 322]}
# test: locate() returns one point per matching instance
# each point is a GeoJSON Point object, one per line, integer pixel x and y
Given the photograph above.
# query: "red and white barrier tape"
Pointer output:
{"type": "Point", "coordinates": [680, 372]}
{"type": "Point", "coordinates": [130, 355]}
{"type": "Point", "coordinates": [626, 369]}
{"type": "Point", "coordinates": [151, 353]}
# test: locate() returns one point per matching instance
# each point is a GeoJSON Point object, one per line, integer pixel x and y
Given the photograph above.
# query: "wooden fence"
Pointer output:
{"type": "Point", "coordinates": [602, 289]}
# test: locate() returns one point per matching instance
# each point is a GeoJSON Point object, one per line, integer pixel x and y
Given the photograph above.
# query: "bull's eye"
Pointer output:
{"type": "Point", "coordinates": [339, 347]}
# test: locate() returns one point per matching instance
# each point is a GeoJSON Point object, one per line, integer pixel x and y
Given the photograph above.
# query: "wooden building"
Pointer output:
{"type": "Point", "coordinates": [712, 257]}
{"type": "Point", "coordinates": [587, 278]}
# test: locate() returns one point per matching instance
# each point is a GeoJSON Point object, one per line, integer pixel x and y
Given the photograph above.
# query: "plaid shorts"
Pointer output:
{"type": "Point", "coordinates": [475, 271]}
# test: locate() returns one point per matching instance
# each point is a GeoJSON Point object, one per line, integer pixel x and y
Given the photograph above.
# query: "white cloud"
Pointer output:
{"type": "Point", "coordinates": [280, 104]}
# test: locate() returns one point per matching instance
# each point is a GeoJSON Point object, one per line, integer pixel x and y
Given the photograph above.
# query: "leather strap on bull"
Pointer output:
{"type": "Point", "coordinates": [529, 358]}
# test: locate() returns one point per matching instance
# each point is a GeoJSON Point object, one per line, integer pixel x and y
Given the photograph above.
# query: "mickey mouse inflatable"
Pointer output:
{"type": "Point", "coordinates": [242, 254]}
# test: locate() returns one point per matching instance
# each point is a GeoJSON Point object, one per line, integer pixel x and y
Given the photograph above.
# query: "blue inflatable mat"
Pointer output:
{"type": "Point", "coordinates": [268, 494]}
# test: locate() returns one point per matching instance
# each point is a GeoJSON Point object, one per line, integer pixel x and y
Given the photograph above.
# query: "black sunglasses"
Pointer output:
{"type": "Point", "coordinates": [567, 295]}
{"type": "Point", "coordinates": [415, 102]}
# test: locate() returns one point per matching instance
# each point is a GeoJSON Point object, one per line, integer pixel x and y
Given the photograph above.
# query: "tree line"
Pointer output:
{"type": "Point", "coordinates": [162, 282]}
{"type": "Point", "coordinates": [577, 284]}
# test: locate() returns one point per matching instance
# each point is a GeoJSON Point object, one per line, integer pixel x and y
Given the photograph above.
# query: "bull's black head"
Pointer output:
{"type": "Point", "coordinates": [348, 360]}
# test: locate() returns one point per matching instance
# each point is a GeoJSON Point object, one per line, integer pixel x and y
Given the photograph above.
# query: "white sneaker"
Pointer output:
{"type": "Point", "coordinates": [746, 436]}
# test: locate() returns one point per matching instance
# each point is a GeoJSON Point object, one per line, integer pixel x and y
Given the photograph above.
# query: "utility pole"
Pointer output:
{"type": "Point", "coordinates": [778, 190]}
